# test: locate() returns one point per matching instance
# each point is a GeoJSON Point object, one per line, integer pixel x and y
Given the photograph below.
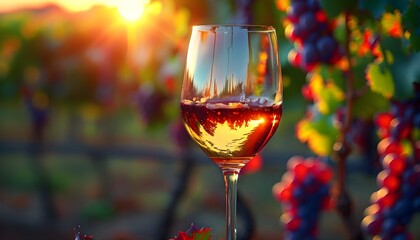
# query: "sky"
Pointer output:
{"type": "Point", "coordinates": [73, 5]}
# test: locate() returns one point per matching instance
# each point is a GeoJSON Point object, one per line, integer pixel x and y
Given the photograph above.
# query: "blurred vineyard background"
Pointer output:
{"type": "Point", "coordinates": [89, 125]}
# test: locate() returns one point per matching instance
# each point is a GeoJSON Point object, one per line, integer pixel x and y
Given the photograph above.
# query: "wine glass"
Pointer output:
{"type": "Point", "coordinates": [231, 100]}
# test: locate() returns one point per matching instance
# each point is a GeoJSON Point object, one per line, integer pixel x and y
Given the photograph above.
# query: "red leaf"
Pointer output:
{"type": "Point", "coordinates": [194, 233]}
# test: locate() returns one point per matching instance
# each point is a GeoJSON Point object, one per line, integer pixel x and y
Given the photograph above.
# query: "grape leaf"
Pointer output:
{"type": "Point", "coordinates": [333, 8]}
{"type": "Point", "coordinates": [340, 33]}
{"type": "Point", "coordinates": [407, 72]}
{"type": "Point", "coordinates": [203, 234]}
{"type": "Point", "coordinates": [333, 74]}
{"type": "Point", "coordinates": [319, 134]}
{"type": "Point", "coordinates": [327, 95]}
{"type": "Point", "coordinates": [411, 22]}
{"type": "Point", "coordinates": [375, 8]}
{"type": "Point", "coordinates": [194, 233]}
{"type": "Point", "coordinates": [329, 99]}
{"type": "Point", "coordinates": [380, 79]}
{"type": "Point", "coordinates": [401, 5]}
{"type": "Point", "coordinates": [391, 24]}
{"type": "Point", "coordinates": [415, 42]}
{"type": "Point", "coordinates": [410, 19]}
{"type": "Point", "coordinates": [368, 104]}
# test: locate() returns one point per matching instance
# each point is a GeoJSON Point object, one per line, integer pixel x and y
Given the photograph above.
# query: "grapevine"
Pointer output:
{"type": "Point", "coordinates": [351, 53]}
{"type": "Point", "coordinates": [398, 197]}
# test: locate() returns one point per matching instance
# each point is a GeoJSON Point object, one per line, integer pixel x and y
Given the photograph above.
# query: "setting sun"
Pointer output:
{"type": "Point", "coordinates": [131, 10]}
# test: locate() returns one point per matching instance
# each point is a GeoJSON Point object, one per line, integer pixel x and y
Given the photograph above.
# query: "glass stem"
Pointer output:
{"type": "Point", "coordinates": [231, 183]}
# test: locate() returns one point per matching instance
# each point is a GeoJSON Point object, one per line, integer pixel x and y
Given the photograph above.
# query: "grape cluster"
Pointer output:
{"type": "Point", "coordinates": [304, 192]}
{"type": "Point", "coordinates": [311, 32]}
{"type": "Point", "coordinates": [398, 198]}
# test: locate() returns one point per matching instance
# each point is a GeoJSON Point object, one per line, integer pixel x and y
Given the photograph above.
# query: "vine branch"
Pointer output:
{"type": "Point", "coordinates": [342, 146]}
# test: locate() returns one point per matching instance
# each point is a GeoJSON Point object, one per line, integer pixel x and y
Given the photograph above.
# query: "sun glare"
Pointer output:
{"type": "Point", "coordinates": [131, 10]}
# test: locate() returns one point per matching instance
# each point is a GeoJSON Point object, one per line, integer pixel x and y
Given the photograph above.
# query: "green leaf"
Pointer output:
{"type": "Point", "coordinates": [410, 19]}
{"type": "Point", "coordinates": [328, 96]}
{"type": "Point", "coordinates": [333, 7]}
{"type": "Point", "coordinates": [329, 99]}
{"type": "Point", "coordinates": [359, 70]}
{"type": "Point", "coordinates": [411, 22]}
{"type": "Point", "coordinates": [374, 7]}
{"type": "Point", "coordinates": [340, 33]}
{"type": "Point", "coordinates": [405, 72]}
{"type": "Point", "coordinates": [333, 74]}
{"type": "Point", "coordinates": [318, 133]}
{"type": "Point", "coordinates": [415, 42]}
{"type": "Point", "coordinates": [401, 5]}
{"type": "Point", "coordinates": [369, 104]}
{"type": "Point", "coordinates": [380, 79]}
{"type": "Point", "coordinates": [204, 235]}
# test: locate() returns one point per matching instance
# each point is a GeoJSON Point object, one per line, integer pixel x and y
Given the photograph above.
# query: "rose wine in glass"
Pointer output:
{"type": "Point", "coordinates": [231, 100]}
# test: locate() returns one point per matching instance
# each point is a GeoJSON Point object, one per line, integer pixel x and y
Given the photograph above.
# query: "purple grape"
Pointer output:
{"type": "Point", "coordinates": [408, 191]}
{"type": "Point", "coordinates": [409, 112]}
{"type": "Point", "coordinates": [308, 197]}
{"type": "Point", "coordinates": [416, 120]}
{"type": "Point", "coordinates": [325, 47]}
{"type": "Point", "coordinates": [309, 180]}
{"type": "Point", "coordinates": [296, 9]}
{"type": "Point", "coordinates": [402, 207]}
{"type": "Point", "coordinates": [416, 204]}
{"type": "Point", "coordinates": [312, 38]}
{"type": "Point", "coordinates": [406, 200]}
{"type": "Point", "coordinates": [310, 54]}
{"type": "Point", "coordinates": [389, 226]}
{"type": "Point", "coordinates": [294, 236]}
{"type": "Point", "coordinates": [324, 191]}
{"type": "Point", "coordinates": [313, 5]}
{"type": "Point", "coordinates": [307, 211]}
{"type": "Point", "coordinates": [402, 236]}
{"type": "Point", "coordinates": [299, 194]}
{"type": "Point", "coordinates": [308, 22]}
{"type": "Point", "coordinates": [306, 226]}
{"type": "Point", "coordinates": [298, 32]}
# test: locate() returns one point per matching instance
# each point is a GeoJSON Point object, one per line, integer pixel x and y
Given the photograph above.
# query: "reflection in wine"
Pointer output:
{"type": "Point", "coordinates": [231, 132]}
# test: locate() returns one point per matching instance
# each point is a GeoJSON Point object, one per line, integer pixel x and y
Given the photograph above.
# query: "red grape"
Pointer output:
{"type": "Point", "coordinates": [389, 145]}
{"type": "Point", "coordinates": [394, 163]}
{"type": "Point", "coordinates": [399, 195]}
{"type": "Point", "coordinates": [304, 192]}
{"type": "Point", "coordinates": [389, 181]}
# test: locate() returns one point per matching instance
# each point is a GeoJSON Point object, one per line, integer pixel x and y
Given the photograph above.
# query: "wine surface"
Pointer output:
{"type": "Point", "coordinates": [231, 133]}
